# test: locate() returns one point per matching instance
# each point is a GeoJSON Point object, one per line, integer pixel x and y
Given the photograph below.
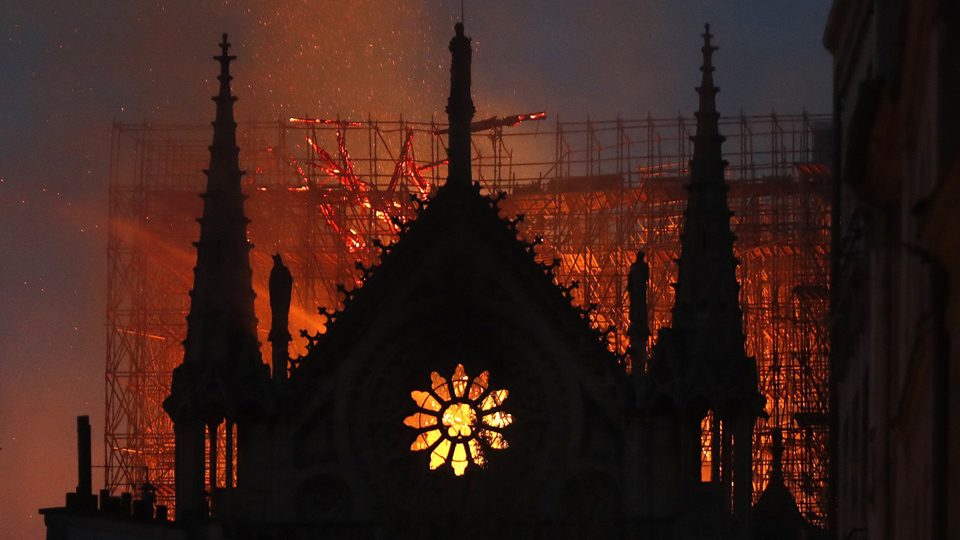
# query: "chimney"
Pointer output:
{"type": "Point", "coordinates": [84, 464]}
{"type": "Point", "coordinates": [83, 500]}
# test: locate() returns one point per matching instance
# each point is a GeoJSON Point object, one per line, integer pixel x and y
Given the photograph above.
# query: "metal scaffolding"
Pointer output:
{"type": "Point", "coordinates": [320, 192]}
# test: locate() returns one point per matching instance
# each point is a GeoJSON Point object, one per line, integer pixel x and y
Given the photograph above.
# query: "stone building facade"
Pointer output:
{"type": "Point", "coordinates": [895, 362]}
{"type": "Point", "coordinates": [459, 391]}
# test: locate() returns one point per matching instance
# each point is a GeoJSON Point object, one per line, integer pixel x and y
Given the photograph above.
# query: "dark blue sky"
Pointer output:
{"type": "Point", "coordinates": [68, 69]}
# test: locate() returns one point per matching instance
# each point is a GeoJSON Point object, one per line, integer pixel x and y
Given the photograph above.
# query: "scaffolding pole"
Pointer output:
{"type": "Point", "coordinates": [596, 191]}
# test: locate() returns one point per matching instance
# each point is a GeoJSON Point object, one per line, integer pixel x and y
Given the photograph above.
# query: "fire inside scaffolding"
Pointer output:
{"type": "Point", "coordinates": [321, 192]}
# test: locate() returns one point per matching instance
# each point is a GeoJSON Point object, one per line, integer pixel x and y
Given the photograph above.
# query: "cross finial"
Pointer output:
{"type": "Point", "coordinates": [224, 46]}
{"type": "Point", "coordinates": [707, 36]}
{"type": "Point", "coordinates": [225, 58]}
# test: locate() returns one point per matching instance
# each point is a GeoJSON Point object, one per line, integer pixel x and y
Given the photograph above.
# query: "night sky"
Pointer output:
{"type": "Point", "coordinates": [68, 69]}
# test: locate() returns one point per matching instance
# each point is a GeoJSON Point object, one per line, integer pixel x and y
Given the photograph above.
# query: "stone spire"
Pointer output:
{"type": "Point", "coordinates": [700, 360]}
{"type": "Point", "coordinates": [706, 311]}
{"type": "Point", "coordinates": [222, 325]}
{"type": "Point", "coordinates": [707, 305]}
{"type": "Point", "coordinates": [221, 367]}
{"type": "Point", "coordinates": [460, 111]}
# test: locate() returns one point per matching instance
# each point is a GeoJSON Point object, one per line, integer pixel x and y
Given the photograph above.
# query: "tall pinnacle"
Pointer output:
{"type": "Point", "coordinates": [700, 358]}
{"type": "Point", "coordinates": [221, 361]}
{"type": "Point", "coordinates": [460, 111]}
{"type": "Point", "coordinates": [707, 307]}
{"type": "Point", "coordinates": [222, 326]}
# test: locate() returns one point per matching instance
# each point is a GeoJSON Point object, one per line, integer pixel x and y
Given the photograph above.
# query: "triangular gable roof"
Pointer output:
{"type": "Point", "coordinates": [454, 224]}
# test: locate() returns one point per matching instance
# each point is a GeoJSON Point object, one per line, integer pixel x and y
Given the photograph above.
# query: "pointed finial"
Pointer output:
{"type": "Point", "coordinates": [707, 89]}
{"type": "Point", "coordinates": [460, 110]}
{"type": "Point", "coordinates": [776, 449]}
{"type": "Point", "coordinates": [707, 46]}
{"type": "Point", "coordinates": [225, 58]}
{"type": "Point", "coordinates": [224, 150]}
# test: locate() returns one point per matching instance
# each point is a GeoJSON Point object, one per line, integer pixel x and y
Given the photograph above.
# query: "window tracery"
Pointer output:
{"type": "Point", "coordinates": [459, 420]}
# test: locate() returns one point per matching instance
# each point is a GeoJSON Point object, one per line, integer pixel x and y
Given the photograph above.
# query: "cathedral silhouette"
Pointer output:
{"type": "Point", "coordinates": [459, 393]}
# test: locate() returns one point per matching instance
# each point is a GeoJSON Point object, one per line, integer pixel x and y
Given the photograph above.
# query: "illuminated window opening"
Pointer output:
{"type": "Point", "coordinates": [707, 450]}
{"type": "Point", "coordinates": [459, 420]}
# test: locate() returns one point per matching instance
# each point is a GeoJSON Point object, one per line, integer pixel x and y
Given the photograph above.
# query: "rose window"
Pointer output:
{"type": "Point", "coordinates": [459, 420]}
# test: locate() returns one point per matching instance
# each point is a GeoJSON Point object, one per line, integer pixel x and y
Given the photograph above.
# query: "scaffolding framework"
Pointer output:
{"type": "Point", "coordinates": [320, 192]}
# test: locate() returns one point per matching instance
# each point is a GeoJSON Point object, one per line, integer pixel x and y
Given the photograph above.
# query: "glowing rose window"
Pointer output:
{"type": "Point", "coordinates": [459, 420]}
